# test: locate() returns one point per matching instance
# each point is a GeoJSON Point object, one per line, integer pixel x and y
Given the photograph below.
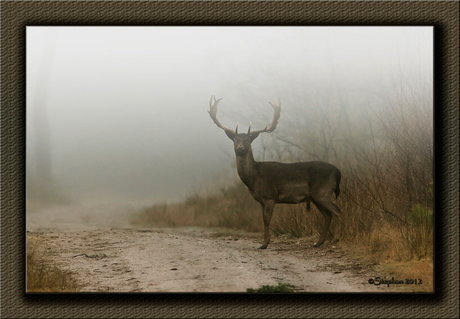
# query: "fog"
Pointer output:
{"type": "Point", "coordinates": [119, 114]}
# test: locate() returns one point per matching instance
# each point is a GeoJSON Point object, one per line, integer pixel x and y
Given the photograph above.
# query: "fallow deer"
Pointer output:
{"type": "Point", "coordinates": [291, 183]}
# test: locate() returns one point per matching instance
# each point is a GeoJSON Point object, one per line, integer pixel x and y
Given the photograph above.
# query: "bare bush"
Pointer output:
{"type": "Point", "coordinates": [42, 274]}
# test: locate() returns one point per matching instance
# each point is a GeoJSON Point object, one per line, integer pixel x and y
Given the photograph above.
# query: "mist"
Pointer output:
{"type": "Point", "coordinates": [119, 114]}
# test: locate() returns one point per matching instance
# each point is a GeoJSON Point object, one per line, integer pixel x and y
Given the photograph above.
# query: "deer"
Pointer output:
{"type": "Point", "coordinates": [270, 183]}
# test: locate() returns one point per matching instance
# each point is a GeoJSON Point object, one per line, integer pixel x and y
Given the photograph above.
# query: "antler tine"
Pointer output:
{"type": "Point", "coordinates": [276, 116]}
{"type": "Point", "coordinates": [213, 113]}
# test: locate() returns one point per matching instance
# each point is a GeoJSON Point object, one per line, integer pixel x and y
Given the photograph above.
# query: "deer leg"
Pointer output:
{"type": "Point", "coordinates": [338, 224]}
{"type": "Point", "coordinates": [327, 221]}
{"type": "Point", "coordinates": [333, 209]}
{"type": "Point", "coordinates": [267, 211]}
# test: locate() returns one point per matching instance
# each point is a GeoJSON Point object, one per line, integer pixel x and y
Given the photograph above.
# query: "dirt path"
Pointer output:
{"type": "Point", "coordinates": [107, 254]}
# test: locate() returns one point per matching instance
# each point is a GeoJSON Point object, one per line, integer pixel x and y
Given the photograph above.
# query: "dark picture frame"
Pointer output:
{"type": "Point", "coordinates": [15, 16]}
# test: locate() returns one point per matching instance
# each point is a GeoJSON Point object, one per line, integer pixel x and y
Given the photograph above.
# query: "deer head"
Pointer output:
{"type": "Point", "coordinates": [242, 141]}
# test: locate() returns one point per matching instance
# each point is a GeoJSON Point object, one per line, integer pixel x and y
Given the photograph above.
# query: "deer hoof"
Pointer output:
{"type": "Point", "coordinates": [262, 247]}
{"type": "Point", "coordinates": [316, 245]}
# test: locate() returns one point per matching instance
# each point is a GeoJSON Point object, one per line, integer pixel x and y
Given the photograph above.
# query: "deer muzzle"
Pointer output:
{"type": "Point", "coordinates": [239, 149]}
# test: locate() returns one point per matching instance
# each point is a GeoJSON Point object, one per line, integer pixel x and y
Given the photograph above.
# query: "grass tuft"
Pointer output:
{"type": "Point", "coordinates": [281, 287]}
{"type": "Point", "coordinates": [42, 275]}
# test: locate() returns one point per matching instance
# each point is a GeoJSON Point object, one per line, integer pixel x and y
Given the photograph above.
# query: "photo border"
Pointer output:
{"type": "Point", "coordinates": [16, 15]}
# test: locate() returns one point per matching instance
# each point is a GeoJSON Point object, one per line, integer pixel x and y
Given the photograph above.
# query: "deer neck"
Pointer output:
{"type": "Point", "coordinates": [247, 169]}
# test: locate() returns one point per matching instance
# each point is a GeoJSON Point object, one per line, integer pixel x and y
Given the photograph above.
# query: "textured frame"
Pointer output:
{"type": "Point", "coordinates": [16, 15]}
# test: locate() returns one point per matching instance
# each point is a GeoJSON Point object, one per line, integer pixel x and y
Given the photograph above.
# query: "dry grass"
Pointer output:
{"type": "Point", "coordinates": [421, 270]}
{"type": "Point", "coordinates": [42, 275]}
{"type": "Point", "coordinates": [294, 221]}
{"type": "Point", "coordinates": [402, 251]}
{"type": "Point", "coordinates": [232, 207]}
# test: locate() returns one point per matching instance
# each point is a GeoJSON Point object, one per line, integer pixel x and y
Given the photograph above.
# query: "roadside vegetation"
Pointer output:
{"type": "Point", "coordinates": [42, 274]}
{"type": "Point", "coordinates": [386, 158]}
{"type": "Point", "coordinates": [281, 287]}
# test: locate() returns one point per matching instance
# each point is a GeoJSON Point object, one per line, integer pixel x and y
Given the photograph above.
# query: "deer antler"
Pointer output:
{"type": "Point", "coordinates": [213, 113]}
{"type": "Point", "coordinates": [276, 116]}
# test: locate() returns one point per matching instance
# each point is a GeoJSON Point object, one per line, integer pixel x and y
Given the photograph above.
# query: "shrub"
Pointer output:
{"type": "Point", "coordinates": [281, 287]}
{"type": "Point", "coordinates": [421, 216]}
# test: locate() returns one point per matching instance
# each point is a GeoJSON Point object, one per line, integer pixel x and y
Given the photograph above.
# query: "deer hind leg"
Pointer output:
{"type": "Point", "coordinates": [327, 221]}
{"type": "Point", "coordinates": [338, 224]}
{"type": "Point", "coordinates": [331, 209]}
{"type": "Point", "coordinates": [267, 211]}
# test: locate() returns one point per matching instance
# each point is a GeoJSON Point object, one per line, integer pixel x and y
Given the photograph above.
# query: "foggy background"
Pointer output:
{"type": "Point", "coordinates": [119, 114]}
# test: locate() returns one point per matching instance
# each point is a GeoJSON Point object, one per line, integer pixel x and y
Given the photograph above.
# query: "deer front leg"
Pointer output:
{"type": "Point", "coordinates": [267, 211]}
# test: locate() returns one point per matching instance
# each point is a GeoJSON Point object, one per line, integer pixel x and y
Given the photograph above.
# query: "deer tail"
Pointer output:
{"type": "Point", "coordinates": [338, 176]}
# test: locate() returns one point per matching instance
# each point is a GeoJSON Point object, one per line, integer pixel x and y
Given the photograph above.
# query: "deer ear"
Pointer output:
{"type": "Point", "coordinates": [230, 135]}
{"type": "Point", "coordinates": [253, 136]}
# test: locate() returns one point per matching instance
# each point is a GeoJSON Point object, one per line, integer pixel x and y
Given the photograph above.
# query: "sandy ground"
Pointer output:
{"type": "Point", "coordinates": [107, 254]}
